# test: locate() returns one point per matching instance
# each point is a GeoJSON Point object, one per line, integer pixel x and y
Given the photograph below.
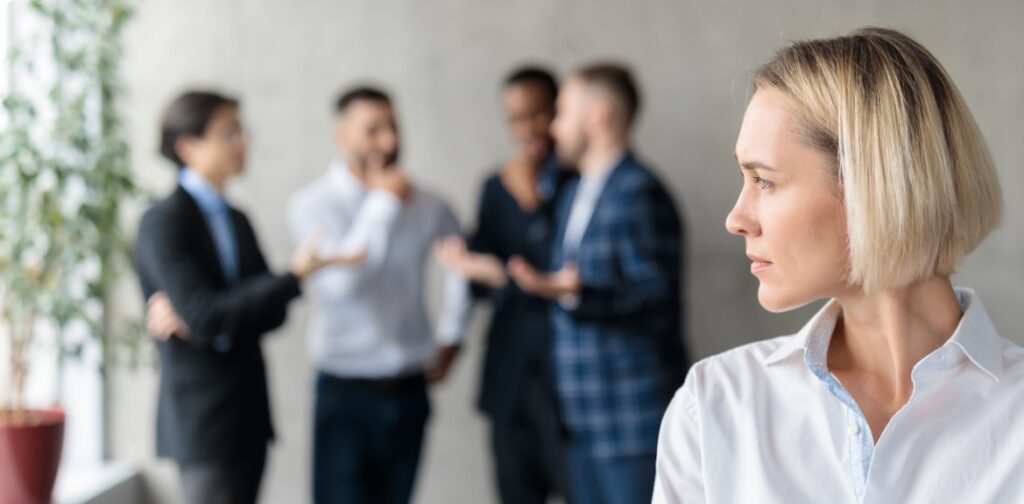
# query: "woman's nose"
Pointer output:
{"type": "Point", "coordinates": [741, 220]}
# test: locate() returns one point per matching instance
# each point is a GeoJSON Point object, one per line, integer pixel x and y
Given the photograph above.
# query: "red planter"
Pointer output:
{"type": "Point", "coordinates": [29, 457]}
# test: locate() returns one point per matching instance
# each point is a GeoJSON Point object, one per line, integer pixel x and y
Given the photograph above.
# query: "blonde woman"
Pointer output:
{"type": "Point", "coordinates": [866, 181]}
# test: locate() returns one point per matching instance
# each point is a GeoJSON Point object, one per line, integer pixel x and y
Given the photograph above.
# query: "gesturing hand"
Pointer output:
{"type": "Point", "coordinates": [564, 282]}
{"type": "Point", "coordinates": [307, 259]}
{"type": "Point", "coordinates": [485, 269]}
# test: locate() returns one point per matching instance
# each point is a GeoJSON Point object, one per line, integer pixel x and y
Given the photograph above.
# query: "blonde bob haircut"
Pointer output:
{"type": "Point", "coordinates": [919, 186]}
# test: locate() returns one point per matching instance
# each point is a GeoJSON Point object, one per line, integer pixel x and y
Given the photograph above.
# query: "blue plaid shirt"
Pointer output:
{"type": "Point", "coordinates": [618, 350]}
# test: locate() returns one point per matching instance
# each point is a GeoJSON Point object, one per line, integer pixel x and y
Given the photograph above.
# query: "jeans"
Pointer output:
{"type": "Point", "coordinates": [367, 441]}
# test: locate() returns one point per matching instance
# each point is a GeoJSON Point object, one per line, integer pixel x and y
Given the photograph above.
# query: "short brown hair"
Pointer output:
{"type": "Point", "coordinates": [358, 94]}
{"type": "Point", "coordinates": [617, 81]}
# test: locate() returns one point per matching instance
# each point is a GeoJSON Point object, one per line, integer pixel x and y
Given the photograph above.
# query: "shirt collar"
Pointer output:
{"type": "Point", "coordinates": [607, 170]}
{"type": "Point", "coordinates": [812, 338]}
{"type": "Point", "coordinates": [343, 179]}
{"type": "Point", "coordinates": [975, 336]}
{"type": "Point", "coordinates": [205, 195]}
{"type": "Point", "coordinates": [593, 183]}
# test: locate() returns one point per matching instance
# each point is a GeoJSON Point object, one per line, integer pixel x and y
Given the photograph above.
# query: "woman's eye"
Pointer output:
{"type": "Point", "coordinates": [762, 183]}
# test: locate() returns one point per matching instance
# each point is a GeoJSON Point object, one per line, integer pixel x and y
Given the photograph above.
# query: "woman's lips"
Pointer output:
{"type": "Point", "coordinates": [758, 264]}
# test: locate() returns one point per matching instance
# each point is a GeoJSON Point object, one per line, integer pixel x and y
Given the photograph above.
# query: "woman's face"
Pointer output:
{"type": "Point", "coordinates": [790, 209]}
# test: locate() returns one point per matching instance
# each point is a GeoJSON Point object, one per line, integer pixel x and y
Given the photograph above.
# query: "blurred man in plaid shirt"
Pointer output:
{"type": "Point", "coordinates": [616, 283]}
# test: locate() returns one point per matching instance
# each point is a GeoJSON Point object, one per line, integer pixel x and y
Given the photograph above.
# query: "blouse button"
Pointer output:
{"type": "Point", "coordinates": [854, 428]}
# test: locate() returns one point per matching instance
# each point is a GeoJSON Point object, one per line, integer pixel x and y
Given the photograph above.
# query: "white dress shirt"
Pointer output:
{"type": "Point", "coordinates": [768, 423]}
{"type": "Point", "coordinates": [591, 185]}
{"type": "Point", "coordinates": [589, 190]}
{"type": "Point", "coordinates": [370, 320]}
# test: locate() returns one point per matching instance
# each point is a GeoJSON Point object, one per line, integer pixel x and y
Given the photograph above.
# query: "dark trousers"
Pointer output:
{"type": "Point", "coordinates": [616, 480]}
{"type": "Point", "coordinates": [224, 482]}
{"type": "Point", "coordinates": [367, 441]}
{"type": "Point", "coordinates": [529, 455]}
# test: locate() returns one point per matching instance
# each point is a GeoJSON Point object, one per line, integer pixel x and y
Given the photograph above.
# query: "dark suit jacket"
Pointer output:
{"type": "Point", "coordinates": [619, 352]}
{"type": "Point", "coordinates": [213, 400]}
{"type": "Point", "coordinates": [519, 336]}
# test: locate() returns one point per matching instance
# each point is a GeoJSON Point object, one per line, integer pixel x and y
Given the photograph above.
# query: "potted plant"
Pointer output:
{"type": "Point", "coordinates": [64, 173]}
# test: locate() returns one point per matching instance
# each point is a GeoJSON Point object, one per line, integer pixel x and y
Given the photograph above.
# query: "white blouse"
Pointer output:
{"type": "Point", "coordinates": [767, 422]}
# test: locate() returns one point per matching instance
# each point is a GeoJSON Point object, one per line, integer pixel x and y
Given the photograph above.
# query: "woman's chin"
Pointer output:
{"type": "Point", "coordinates": [779, 300]}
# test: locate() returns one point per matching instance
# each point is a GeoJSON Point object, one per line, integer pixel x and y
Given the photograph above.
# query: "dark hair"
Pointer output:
{"type": "Point", "coordinates": [360, 93]}
{"type": "Point", "coordinates": [617, 80]}
{"type": "Point", "coordinates": [534, 75]}
{"type": "Point", "coordinates": [189, 115]}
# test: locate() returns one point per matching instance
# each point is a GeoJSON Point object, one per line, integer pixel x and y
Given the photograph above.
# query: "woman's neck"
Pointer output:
{"type": "Point", "coordinates": [883, 335]}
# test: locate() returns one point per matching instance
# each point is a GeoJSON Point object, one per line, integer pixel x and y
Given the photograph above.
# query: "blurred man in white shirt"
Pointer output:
{"type": "Point", "coordinates": [369, 334]}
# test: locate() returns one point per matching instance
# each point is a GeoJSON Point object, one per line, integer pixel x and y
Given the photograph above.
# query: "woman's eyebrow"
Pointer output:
{"type": "Point", "coordinates": [754, 165]}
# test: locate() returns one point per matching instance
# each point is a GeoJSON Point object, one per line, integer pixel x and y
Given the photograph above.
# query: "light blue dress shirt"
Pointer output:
{"type": "Point", "coordinates": [217, 214]}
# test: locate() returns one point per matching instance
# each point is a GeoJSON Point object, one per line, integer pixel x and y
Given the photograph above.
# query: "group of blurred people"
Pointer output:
{"type": "Point", "coordinates": [578, 247]}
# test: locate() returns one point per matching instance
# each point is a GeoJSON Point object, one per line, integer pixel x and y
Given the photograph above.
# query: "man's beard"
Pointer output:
{"type": "Point", "coordinates": [571, 157]}
{"type": "Point", "coordinates": [386, 160]}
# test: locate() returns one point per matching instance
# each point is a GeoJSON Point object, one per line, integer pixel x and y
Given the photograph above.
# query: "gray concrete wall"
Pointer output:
{"type": "Point", "coordinates": [443, 60]}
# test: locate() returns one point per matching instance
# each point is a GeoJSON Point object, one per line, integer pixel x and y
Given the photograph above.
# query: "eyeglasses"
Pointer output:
{"type": "Point", "coordinates": [234, 135]}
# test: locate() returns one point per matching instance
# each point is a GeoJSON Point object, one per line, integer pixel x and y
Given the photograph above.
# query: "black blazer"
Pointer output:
{"type": "Point", "coordinates": [213, 403]}
{"type": "Point", "coordinates": [519, 335]}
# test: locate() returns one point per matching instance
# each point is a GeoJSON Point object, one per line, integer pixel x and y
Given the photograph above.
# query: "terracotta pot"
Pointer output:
{"type": "Point", "coordinates": [29, 456]}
